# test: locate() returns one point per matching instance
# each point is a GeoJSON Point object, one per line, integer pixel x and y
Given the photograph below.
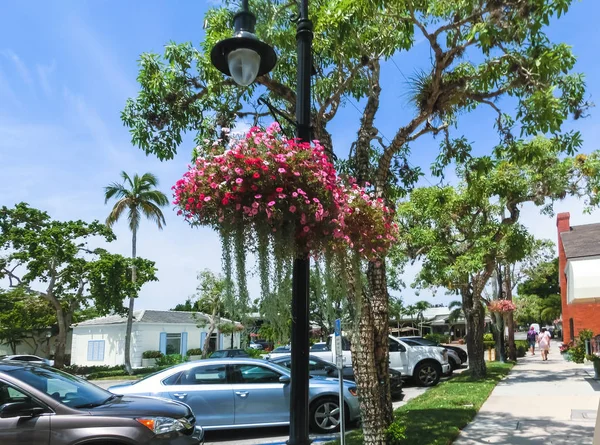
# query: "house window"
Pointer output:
{"type": "Point", "coordinates": [95, 352]}
{"type": "Point", "coordinates": [173, 344]}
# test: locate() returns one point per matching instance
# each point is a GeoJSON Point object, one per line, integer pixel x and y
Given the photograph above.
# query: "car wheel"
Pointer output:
{"type": "Point", "coordinates": [325, 415]}
{"type": "Point", "coordinates": [428, 373]}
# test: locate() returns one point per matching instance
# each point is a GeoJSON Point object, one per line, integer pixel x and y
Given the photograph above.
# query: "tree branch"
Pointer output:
{"type": "Point", "coordinates": [278, 88]}
{"type": "Point", "coordinates": [334, 99]}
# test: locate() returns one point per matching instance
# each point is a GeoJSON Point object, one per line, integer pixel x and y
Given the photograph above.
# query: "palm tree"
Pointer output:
{"type": "Point", "coordinates": [136, 197]}
{"type": "Point", "coordinates": [420, 307]}
{"type": "Point", "coordinates": [456, 313]}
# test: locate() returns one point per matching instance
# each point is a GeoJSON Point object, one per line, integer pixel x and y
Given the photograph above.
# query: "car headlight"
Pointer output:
{"type": "Point", "coordinates": [162, 425]}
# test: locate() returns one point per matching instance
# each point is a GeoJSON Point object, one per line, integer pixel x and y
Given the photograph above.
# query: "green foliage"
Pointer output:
{"type": "Point", "coordinates": [23, 316]}
{"type": "Point", "coordinates": [438, 338]}
{"type": "Point", "coordinates": [137, 196]}
{"type": "Point", "coordinates": [396, 433]}
{"type": "Point", "coordinates": [254, 353]}
{"type": "Point", "coordinates": [153, 354]}
{"type": "Point", "coordinates": [542, 280]}
{"type": "Point", "coordinates": [110, 279]}
{"type": "Point", "coordinates": [170, 360]}
{"type": "Point", "coordinates": [578, 352]}
{"type": "Point", "coordinates": [488, 340]}
{"type": "Point", "coordinates": [194, 351]}
{"type": "Point", "coordinates": [522, 347]}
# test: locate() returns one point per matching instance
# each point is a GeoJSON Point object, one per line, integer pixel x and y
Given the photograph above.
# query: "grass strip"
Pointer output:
{"type": "Point", "coordinates": [437, 416]}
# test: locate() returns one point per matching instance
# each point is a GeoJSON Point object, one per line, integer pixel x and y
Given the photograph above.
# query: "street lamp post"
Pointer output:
{"type": "Point", "coordinates": [244, 57]}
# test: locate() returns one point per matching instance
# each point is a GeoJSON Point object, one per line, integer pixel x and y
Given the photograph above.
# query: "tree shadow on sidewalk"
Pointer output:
{"type": "Point", "coordinates": [509, 430]}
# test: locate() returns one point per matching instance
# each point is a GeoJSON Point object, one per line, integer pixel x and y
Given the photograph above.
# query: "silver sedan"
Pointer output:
{"type": "Point", "coordinates": [244, 393]}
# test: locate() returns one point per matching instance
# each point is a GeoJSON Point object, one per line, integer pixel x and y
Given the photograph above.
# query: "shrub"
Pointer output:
{"type": "Point", "coordinates": [170, 360]}
{"type": "Point", "coordinates": [152, 354]}
{"type": "Point", "coordinates": [254, 353]}
{"type": "Point", "coordinates": [396, 433]}
{"type": "Point", "coordinates": [194, 351]}
{"type": "Point", "coordinates": [522, 347]}
{"type": "Point", "coordinates": [438, 338]}
{"type": "Point", "coordinates": [85, 370]}
{"type": "Point", "coordinates": [488, 341]}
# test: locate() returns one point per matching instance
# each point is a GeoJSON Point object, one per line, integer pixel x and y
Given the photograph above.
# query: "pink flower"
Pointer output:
{"type": "Point", "coordinates": [294, 194]}
{"type": "Point", "coordinates": [306, 229]}
{"type": "Point", "coordinates": [239, 180]}
{"type": "Point", "coordinates": [296, 174]}
{"type": "Point", "coordinates": [293, 209]}
{"type": "Point", "coordinates": [206, 198]}
{"type": "Point", "coordinates": [257, 196]}
{"type": "Point", "coordinates": [281, 170]}
{"type": "Point", "coordinates": [271, 203]}
{"type": "Point", "coordinates": [279, 189]}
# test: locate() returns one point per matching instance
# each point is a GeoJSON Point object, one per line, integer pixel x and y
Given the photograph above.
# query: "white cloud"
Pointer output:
{"type": "Point", "coordinates": [19, 65]}
{"type": "Point", "coordinates": [44, 73]}
{"type": "Point", "coordinates": [7, 93]}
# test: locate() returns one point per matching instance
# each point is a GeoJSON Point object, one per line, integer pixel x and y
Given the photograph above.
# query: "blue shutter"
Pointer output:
{"type": "Point", "coordinates": [100, 351]}
{"type": "Point", "coordinates": [222, 341]}
{"type": "Point", "coordinates": [162, 343]}
{"type": "Point", "coordinates": [184, 343]}
{"type": "Point", "coordinates": [202, 339]}
{"type": "Point", "coordinates": [90, 351]}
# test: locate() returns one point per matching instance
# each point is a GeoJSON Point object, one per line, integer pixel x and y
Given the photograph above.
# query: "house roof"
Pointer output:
{"type": "Point", "coordinates": [150, 316]}
{"type": "Point", "coordinates": [582, 241]}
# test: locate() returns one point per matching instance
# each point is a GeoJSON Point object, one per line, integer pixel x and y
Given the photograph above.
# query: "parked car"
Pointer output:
{"type": "Point", "coordinates": [287, 349]}
{"type": "Point", "coordinates": [323, 368]}
{"type": "Point", "coordinates": [459, 352]}
{"type": "Point", "coordinates": [320, 346]}
{"type": "Point", "coordinates": [28, 358]}
{"type": "Point", "coordinates": [41, 405]}
{"type": "Point", "coordinates": [244, 393]}
{"type": "Point", "coordinates": [424, 364]}
{"type": "Point", "coordinates": [224, 353]}
{"type": "Point", "coordinates": [453, 358]}
{"type": "Point", "coordinates": [262, 345]}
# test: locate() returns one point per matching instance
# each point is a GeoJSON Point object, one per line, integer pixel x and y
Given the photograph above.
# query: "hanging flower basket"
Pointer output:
{"type": "Point", "coordinates": [501, 306]}
{"type": "Point", "coordinates": [267, 183]}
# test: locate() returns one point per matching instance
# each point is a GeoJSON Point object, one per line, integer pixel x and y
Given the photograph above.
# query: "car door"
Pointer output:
{"type": "Point", "coordinates": [206, 390]}
{"type": "Point", "coordinates": [321, 368]}
{"type": "Point", "coordinates": [259, 395]}
{"type": "Point", "coordinates": [398, 356]}
{"type": "Point", "coordinates": [19, 430]}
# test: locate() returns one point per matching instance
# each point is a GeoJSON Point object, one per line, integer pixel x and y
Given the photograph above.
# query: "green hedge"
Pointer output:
{"type": "Point", "coordinates": [85, 370]}
{"type": "Point", "coordinates": [152, 354]}
{"type": "Point", "coordinates": [438, 338]}
{"type": "Point", "coordinates": [195, 351]}
{"type": "Point", "coordinates": [123, 373]}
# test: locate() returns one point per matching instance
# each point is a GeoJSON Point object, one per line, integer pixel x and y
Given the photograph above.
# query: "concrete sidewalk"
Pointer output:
{"type": "Point", "coordinates": [552, 402]}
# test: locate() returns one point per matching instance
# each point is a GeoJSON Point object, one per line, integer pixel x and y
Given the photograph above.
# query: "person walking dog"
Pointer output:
{"type": "Point", "coordinates": [531, 339]}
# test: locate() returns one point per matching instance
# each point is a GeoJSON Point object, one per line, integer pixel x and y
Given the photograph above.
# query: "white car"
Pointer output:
{"type": "Point", "coordinates": [425, 364]}
{"type": "Point", "coordinates": [27, 358]}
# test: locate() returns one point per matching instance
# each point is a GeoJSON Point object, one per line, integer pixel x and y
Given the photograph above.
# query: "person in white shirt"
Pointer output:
{"type": "Point", "coordinates": [544, 343]}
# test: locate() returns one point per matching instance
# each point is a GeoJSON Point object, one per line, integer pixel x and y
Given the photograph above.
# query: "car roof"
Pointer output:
{"type": "Point", "coordinates": [11, 365]}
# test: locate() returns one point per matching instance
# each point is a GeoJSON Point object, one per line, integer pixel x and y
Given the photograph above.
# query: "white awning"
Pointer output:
{"type": "Point", "coordinates": [583, 280]}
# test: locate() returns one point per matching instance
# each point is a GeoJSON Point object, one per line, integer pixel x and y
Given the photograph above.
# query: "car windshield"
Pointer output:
{"type": "Point", "coordinates": [319, 347]}
{"type": "Point", "coordinates": [64, 388]}
{"type": "Point", "coordinates": [282, 349]}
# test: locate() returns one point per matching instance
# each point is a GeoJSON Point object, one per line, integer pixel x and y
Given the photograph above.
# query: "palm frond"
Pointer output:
{"type": "Point", "coordinates": [115, 190]}
{"type": "Point", "coordinates": [117, 211]}
{"type": "Point", "coordinates": [127, 180]}
{"type": "Point", "coordinates": [155, 196]}
{"type": "Point", "coordinates": [153, 213]}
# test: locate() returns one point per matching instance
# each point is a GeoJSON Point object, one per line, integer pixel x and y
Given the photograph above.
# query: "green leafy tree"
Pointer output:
{"type": "Point", "coordinates": [210, 300]}
{"type": "Point", "coordinates": [463, 233]}
{"type": "Point", "coordinates": [24, 318]}
{"type": "Point", "coordinates": [420, 307]}
{"type": "Point", "coordinates": [52, 259]}
{"type": "Point", "coordinates": [510, 55]}
{"type": "Point", "coordinates": [135, 197]}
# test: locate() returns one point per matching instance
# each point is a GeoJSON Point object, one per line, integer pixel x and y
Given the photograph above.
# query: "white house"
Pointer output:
{"type": "Point", "coordinates": [101, 341]}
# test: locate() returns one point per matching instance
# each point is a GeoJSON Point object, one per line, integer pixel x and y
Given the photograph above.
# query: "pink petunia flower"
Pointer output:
{"type": "Point", "coordinates": [271, 203]}
{"type": "Point", "coordinates": [293, 209]}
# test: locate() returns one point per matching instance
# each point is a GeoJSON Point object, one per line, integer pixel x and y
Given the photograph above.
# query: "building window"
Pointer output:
{"type": "Point", "coordinates": [95, 352]}
{"type": "Point", "coordinates": [173, 344]}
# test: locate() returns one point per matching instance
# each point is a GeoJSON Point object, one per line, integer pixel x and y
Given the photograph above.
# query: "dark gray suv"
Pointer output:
{"type": "Point", "coordinates": [42, 406]}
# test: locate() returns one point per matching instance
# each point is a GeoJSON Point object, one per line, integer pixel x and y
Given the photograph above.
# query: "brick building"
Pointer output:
{"type": "Point", "coordinates": [579, 276]}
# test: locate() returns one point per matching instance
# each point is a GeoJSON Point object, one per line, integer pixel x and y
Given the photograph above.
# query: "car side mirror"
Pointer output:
{"type": "Point", "coordinates": [331, 370]}
{"type": "Point", "coordinates": [20, 409]}
{"type": "Point", "coordinates": [285, 379]}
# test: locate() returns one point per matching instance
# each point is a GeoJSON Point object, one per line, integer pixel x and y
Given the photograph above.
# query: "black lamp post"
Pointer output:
{"type": "Point", "coordinates": [244, 57]}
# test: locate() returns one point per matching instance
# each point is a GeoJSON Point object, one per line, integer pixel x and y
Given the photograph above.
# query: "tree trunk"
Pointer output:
{"type": "Point", "coordinates": [129, 327]}
{"type": "Point", "coordinates": [61, 338]}
{"type": "Point", "coordinates": [499, 335]}
{"type": "Point", "coordinates": [370, 358]}
{"type": "Point", "coordinates": [475, 320]}
{"type": "Point", "coordinates": [206, 345]}
{"type": "Point", "coordinates": [510, 321]}
{"type": "Point", "coordinates": [13, 347]}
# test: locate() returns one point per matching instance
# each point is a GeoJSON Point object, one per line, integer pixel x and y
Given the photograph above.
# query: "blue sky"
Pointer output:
{"type": "Point", "coordinates": [66, 69]}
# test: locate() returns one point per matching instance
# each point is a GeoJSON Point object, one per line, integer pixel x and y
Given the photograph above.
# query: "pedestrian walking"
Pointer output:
{"type": "Point", "coordinates": [532, 338]}
{"type": "Point", "coordinates": [544, 343]}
